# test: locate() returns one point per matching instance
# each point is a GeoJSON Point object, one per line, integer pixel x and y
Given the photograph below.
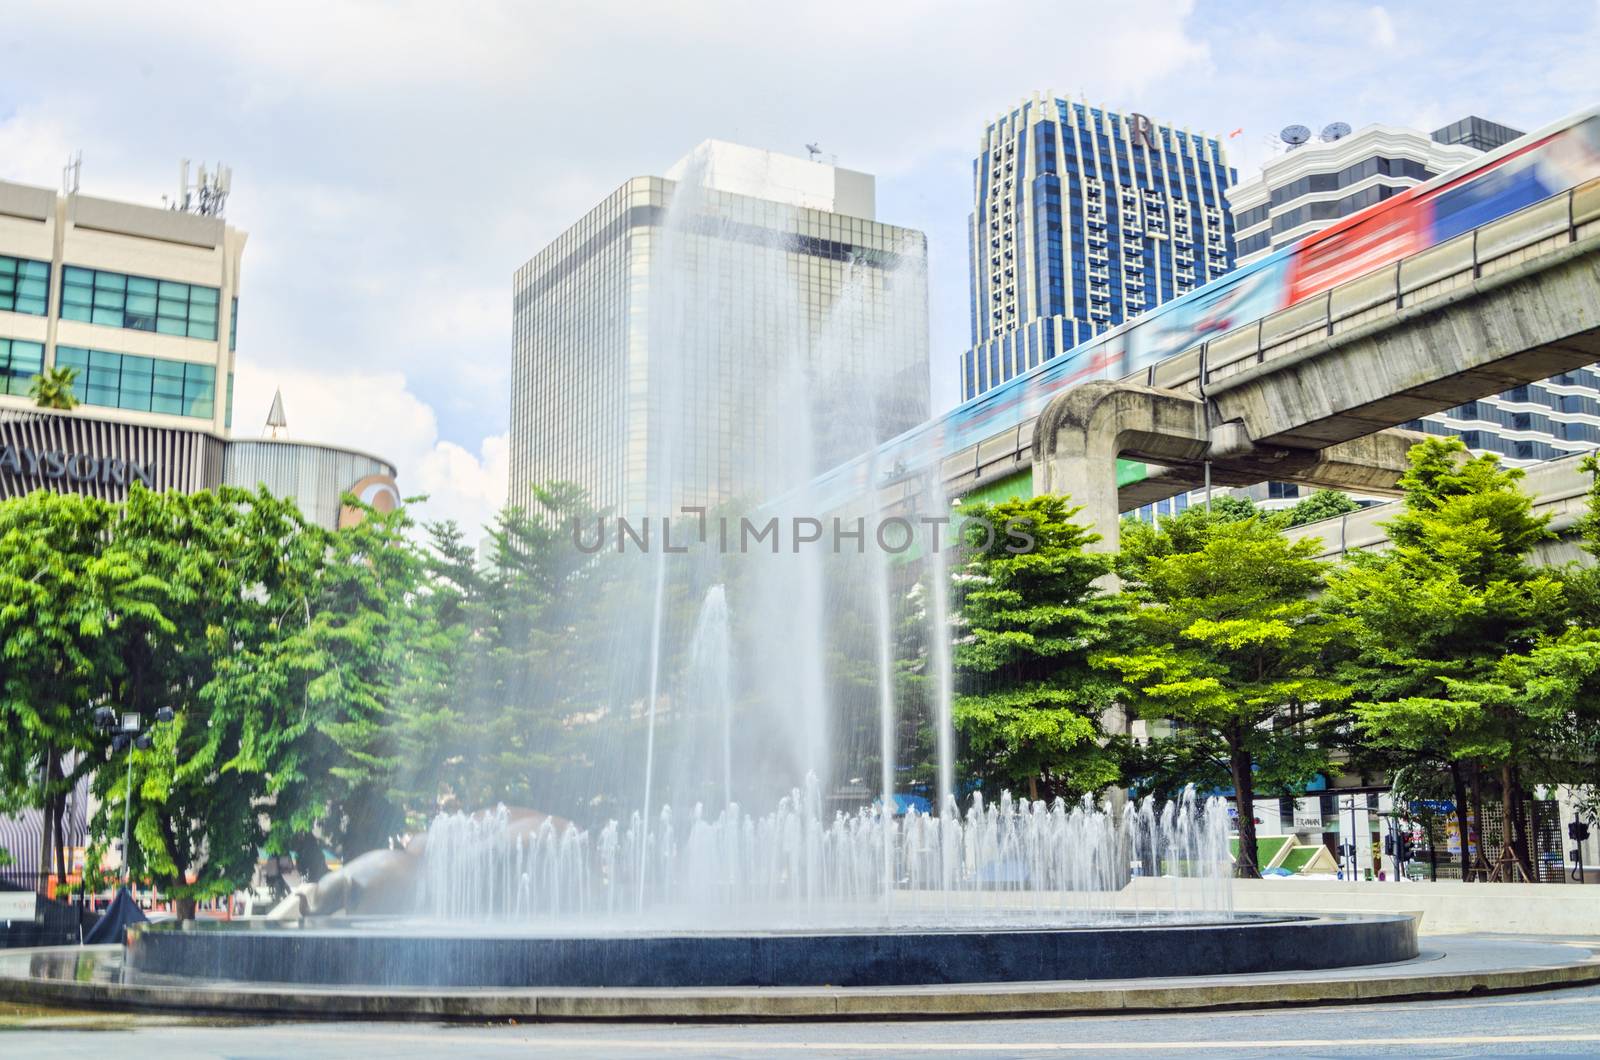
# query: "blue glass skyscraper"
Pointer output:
{"type": "Point", "coordinates": [1083, 218]}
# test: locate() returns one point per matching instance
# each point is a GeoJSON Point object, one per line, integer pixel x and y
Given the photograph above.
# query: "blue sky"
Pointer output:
{"type": "Point", "coordinates": [395, 161]}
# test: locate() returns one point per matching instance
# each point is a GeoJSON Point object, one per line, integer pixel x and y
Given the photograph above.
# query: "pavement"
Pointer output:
{"type": "Point", "coordinates": [1553, 1023]}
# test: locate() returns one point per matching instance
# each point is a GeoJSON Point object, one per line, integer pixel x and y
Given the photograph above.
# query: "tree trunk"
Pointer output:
{"type": "Point", "coordinates": [1479, 859]}
{"type": "Point", "coordinates": [1463, 821]}
{"type": "Point", "coordinates": [1244, 794]}
{"type": "Point", "coordinates": [60, 839]}
{"type": "Point", "coordinates": [1524, 841]}
{"type": "Point", "coordinates": [1516, 828]}
{"type": "Point", "coordinates": [44, 819]}
{"type": "Point", "coordinates": [184, 908]}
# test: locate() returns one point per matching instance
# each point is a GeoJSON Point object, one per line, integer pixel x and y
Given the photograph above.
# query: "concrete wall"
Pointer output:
{"type": "Point", "coordinates": [1448, 907]}
{"type": "Point", "coordinates": [1560, 489]}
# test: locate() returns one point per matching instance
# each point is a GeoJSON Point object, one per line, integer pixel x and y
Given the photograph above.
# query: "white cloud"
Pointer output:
{"type": "Point", "coordinates": [1383, 34]}
{"type": "Point", "coordinates": [396, 160]}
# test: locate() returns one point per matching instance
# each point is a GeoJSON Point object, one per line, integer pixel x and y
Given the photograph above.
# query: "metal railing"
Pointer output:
{"type": "Point", "coordinates": [1545, 226]}
{"type": "Point", "coordinates": [1501, 244]}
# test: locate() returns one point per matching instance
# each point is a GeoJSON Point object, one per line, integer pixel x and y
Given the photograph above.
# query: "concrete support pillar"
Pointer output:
{"type": "Point", "coordinates": [1081, 433]}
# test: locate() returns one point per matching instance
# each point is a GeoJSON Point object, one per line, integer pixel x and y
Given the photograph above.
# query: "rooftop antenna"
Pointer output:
{"type": "Point", "coordinates": [208, 196]}
{"type": "Point", "coordinates": [71, 172]}
{"type": "Point", "coordinates": [276, 420]}
{"type": "Point", "coordinates": [814, 151]}
{"type": "Point", "coordinates": [1334, 131]}
{"type": "Point", "coordinates": [1294, 135]}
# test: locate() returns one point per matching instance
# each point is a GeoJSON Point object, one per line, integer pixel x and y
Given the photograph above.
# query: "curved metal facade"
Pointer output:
{"type": "Point", "coordinates": [315, 475]}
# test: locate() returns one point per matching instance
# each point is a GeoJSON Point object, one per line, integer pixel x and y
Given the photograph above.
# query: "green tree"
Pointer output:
{"type": "Point", "coordinates": [1443, 625]}
{"type": "Point", "coordinates": [507, 711]}
{"type": "Point", "coordinates": [326, 686]}
{"type": "Point", "coordinates": [52, 388]}
{"type": "Point", "coordinates": [429, 728]}
{"type": "Point", "coordinates": [1030, 704]}
{"type": "Point", "coordinates": [1323, 504]}
{"type": "Point", "coordinates": [1230, 647]}
{"type": "Point", "coordinates": [1568, 667]}
{"type": "Point", "coordinates": [222, 571]}
{"type": "Point", "coordinates": [59, 594]}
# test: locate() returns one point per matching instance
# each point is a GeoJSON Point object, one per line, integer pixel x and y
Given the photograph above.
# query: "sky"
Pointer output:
{"type": "Point", "coordinates": [394, 162]}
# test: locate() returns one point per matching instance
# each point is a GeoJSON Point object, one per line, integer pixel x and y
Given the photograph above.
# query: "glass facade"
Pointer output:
{"type": "Point", "coordinates": [1409, 169]}
{"type": "Point", "coordinates": [1476, 132]}
{"type": "Point", "coordinates": [1084, 218]}
{"type": "Point", "coordinates": [138, 302]}
{"type": "Point", "coordinates": [1540, 421]}
{"type": "Point", "coordinates": [663, 345]}
{"type": "Point", "coordinates": [141, 384]}
{"type": "Point", "coordinates": [24, 285]}
{"type": "Point", "coordinates": [20, 361]}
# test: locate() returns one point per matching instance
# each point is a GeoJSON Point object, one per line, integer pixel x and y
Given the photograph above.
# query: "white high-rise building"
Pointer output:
{"type": "Point", "coordinates": [1309, 187]}
{"type": "Point", "coordinates": [690, 335]}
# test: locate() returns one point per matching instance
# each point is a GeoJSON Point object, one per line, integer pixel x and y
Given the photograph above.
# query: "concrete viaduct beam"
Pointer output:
{"type": "Point", "coordinates": [1080, 435]}
{"type": "Point", "coordinates": [1321, 410]}
{"type": "Point", "coordinates": [1371, 465]}
{"type": "Point", "coordinates": [1526, 322]}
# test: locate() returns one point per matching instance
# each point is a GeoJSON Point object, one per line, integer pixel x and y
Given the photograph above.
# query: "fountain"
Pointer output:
{"type": "Point", "coordinates": [736, 841]}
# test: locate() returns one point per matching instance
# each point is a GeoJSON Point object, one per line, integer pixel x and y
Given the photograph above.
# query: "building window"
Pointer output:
{"type": "Point", "coordinates": [19, 362]}
{"type": "Point", "coordinates": [1251, 244]}
{"type": "Point", "coordinates": [141, 384]}
{"type": "Point", "coordinates": [233, 326]}
{"type": "Point", "coordinates": [138, 302]}
{"type": "Point", "coordinates": [24, 285]}
{"type": "Point", "coordinates": [1253, 216]}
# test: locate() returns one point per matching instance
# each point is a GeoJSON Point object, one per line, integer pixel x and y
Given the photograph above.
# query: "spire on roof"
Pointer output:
{"type": "Point", "coordinates": [276, 420]}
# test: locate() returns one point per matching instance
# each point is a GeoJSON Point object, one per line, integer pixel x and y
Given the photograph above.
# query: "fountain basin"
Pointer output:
{"type": "Point", "coordinates": [394, 954]}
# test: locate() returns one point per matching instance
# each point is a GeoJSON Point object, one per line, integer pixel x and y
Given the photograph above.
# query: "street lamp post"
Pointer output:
{"type": "Point", "coordinates": [128, 735]}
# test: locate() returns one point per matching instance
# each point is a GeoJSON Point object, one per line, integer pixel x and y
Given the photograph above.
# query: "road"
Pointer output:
{"type": "Point", "coordinates": [1555, 1023]}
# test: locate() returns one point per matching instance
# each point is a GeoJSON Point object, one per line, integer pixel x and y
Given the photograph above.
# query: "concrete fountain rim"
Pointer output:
{"type": "Point", "coordinates": [1448, 966]}
{"type": "Point", "coordinates": [343, 925]}
{"type": "Point", "coordinates": [379, 960]}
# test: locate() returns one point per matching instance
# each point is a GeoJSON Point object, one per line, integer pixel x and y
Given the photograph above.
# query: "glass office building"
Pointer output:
{"type": "Point", "coordinates": [720, 332]}
{"type": "Point", "coordinates": [1477, 133]}
{"type": "Point", "coordinates": [1083, 218]}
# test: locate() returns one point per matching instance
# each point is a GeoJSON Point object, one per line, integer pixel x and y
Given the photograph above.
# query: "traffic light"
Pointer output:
{"type": "Point", "coordinates": [1577, 831]}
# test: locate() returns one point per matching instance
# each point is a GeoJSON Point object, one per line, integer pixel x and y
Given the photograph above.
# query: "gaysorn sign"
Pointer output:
{"type": "Point", "coordinates": [59, 466]}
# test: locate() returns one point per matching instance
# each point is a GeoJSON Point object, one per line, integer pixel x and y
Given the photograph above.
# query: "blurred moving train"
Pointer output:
{"type": "Point", "coordinates": [1526, 171]}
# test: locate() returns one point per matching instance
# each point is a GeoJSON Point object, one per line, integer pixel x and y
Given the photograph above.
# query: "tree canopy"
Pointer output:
{"type": "Point", "coordinates": [1030, 705]}
{"type": "Point", "coordinates": [1230, 647]}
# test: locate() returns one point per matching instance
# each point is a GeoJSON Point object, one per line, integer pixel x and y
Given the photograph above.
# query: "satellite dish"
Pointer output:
{"type": "Point", "coordinates": [1335, 131]}
{"type": "Point", "coordinates": [1294, 135]}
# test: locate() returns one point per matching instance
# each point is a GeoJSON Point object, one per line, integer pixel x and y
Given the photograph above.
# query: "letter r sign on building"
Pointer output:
{"type": "Point", "coordinates": [1140, 128]}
